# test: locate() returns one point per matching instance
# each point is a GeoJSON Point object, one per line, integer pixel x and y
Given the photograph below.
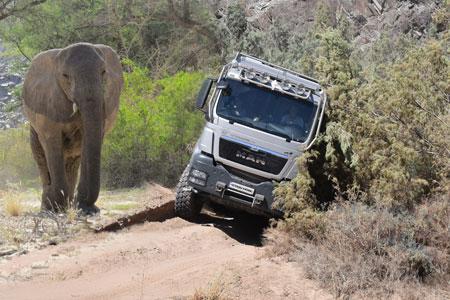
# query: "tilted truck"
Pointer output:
{"type": "Point", "coordinates": [259, 118]}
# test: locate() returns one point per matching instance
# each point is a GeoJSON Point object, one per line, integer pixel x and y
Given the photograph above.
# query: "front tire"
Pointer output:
{"type": "Point", "coordinates": [187, 205]}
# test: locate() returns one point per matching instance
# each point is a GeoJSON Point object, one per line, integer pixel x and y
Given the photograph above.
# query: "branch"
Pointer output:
{"type": "Point", "coordinates": [419, 105]}
{"type": "Point", "coordinates": [21, 51]}
{"type": "Point", "coordinates": [6, 12]}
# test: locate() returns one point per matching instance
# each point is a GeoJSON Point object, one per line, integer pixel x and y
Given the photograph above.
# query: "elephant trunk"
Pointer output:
{"type": "Point", "coordinates": [92, 120]}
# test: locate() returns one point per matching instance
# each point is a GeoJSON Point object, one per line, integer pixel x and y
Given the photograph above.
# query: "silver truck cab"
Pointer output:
{"type": "Point", "coordinates": [259, 118]}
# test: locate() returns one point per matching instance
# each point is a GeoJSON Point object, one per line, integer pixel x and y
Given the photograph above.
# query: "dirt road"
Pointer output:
{"type": "Point", "coordinates": [173, 259]}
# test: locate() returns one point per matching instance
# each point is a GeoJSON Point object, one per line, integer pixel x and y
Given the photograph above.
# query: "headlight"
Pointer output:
{"type": "Point", "coordinates": [198, 177]}
{"type": "Point", "coordinates": [197, 181]}
{"type": "Point", "coordinates": [199, 174]}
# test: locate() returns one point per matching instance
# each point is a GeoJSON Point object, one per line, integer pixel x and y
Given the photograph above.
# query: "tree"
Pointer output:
{"type": "Point", "coordinates": [12, 7]}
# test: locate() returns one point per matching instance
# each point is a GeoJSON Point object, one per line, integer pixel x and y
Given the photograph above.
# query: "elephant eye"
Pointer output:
{"type": "Point", "coordinates": [65, 76]}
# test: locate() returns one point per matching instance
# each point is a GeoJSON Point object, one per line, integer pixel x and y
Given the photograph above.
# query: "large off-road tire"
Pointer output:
{"type": "Point", "coordinates": [187, 205]}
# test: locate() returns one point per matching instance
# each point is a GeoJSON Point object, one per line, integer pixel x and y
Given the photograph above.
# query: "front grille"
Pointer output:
{"type": "Point", "coordinates": [251, 156]}
{"type": "Point", "coordinates": [239, 196]}
{"type": "Point", "coordinates": [245, 175]}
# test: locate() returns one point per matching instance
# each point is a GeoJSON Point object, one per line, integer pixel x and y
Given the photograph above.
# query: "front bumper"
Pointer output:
{"type": "Point", "coordinates": [229, 190]}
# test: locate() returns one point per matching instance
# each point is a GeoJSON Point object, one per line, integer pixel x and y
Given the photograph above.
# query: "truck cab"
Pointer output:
{"type": "Point", "coordinates": [259, 118]}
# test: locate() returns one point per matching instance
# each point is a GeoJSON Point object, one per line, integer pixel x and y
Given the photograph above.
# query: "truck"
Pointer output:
{"type": "Point", "coordinates": [260, 118]}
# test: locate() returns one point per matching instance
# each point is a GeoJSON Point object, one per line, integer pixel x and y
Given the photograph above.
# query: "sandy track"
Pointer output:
{"type": "Point", "coordinates": [164, 260]}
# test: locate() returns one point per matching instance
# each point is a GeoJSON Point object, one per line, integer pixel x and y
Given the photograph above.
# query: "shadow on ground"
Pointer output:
{"type": "Point", "coordinates": [244, 228]}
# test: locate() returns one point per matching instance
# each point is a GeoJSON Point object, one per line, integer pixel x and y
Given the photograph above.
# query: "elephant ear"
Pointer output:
{"type": "Point", "coordinates": [41, 91]}
{"type": "Point", "coordinates": [114, 80]}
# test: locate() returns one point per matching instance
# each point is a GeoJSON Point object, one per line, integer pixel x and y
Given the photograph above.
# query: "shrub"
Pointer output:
{"type": "Point", "coordinates": [372, 249]}
{"type": "Point", "coordinates": [236, 21]}
{"type": "Point", "coordinates": [401, 129]}
{"type": "Point", "coordinates": [155, 130]}
{"type": "Point", "coordinates": [13, 206]}
{"type": "Point", "coordinates": [384, 159]}
{"type": "Point", "coordinates": [387, 136]}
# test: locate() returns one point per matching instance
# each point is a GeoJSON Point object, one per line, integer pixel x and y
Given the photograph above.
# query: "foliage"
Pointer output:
{"type": "Point", "coordinates": [155, 130]}
{"type": "Point", "coordinates": [403, 128]}
{"type": "Point", "coordinates": [162, 35]}
{"type": "Point", "coordinates": [387, 131]}
{"type": "Point", "coordinates": [386, 149]}
{"type": "Point", "coordinates": [11, 7]}
{"type": "Point", "coordinates": [236, 21]}
{"type": "Point", "coordinates": [16, 160]}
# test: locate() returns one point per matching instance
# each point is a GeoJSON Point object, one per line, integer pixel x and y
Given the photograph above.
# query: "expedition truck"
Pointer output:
{"type": "Point", "coordinates": [259, 118]}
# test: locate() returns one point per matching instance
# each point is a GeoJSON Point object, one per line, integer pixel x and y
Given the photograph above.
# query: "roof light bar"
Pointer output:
{"type": "Point", "coordinates": [298, 91]}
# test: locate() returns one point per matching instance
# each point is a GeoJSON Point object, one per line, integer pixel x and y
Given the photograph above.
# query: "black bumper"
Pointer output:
{"type": "Point", "coordinates": [217, 188]}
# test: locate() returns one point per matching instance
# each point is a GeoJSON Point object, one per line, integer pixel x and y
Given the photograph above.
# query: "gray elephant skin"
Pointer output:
{"type": "Point", "coordinates": [71, 98]}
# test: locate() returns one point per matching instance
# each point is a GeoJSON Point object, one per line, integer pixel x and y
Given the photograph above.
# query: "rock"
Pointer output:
{"type": "Point", "coordinates": [39, 265]}
{"type": "Point", "coordinates": [24, 273]}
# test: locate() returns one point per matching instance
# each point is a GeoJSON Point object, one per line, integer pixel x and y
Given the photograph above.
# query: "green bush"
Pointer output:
{"type": "Point", "coordinates": [236, 21]}
{"type": "Point", "coordinates": [17, 165]}
{"type": "Point", "coordinates": [387, 134]}
{"type": "Point", "coordinates": [155, 131]}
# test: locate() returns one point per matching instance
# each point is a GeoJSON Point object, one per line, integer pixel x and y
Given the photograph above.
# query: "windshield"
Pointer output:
{"type": "Point", "coordinates": [267, 110]}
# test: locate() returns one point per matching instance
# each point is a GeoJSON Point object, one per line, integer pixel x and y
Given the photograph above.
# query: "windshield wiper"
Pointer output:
{"type": "Point", "coordinates": [246, 123]}
{"type": "Point", "coordinates": [287, 137]}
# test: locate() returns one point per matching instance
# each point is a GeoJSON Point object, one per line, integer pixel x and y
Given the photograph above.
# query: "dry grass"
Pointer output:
{"type": "Point", "coordinates": [214, 291]}
{"type": "Point", "coordinates": [24, 226]}
{"type": "Point", "coordinates": [278, 243]}
{"type": "Point", "coordinates": [13, 205]}
{"type": "Point", "coordinates": [373, 252]}
{"type": "Point", "coordinates": [12, 235]}
{"type": "Point", "coordinates": [219, 287]}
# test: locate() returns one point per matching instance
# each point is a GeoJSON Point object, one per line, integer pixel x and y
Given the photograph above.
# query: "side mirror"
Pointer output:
{"type": "Point", "coordinates": [224, 86]}
{"type": "Point", "coordinates": [204, 92]}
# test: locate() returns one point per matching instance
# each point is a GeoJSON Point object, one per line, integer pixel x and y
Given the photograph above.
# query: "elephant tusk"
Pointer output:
{"type": "Point", "coordinates": [75, 109]}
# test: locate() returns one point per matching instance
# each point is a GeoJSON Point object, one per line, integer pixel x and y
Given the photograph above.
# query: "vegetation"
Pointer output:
{"type": "Point", "coordinates": [369, 211]}
{"type": "Point", "coordinates": [17, 165]}
{"type": "Point", "coordinates": [380, 169]}
{"type": "Point", "coordinates": [155, 130]}
{"type": "Point", "coordinates": [13, 205]}
{"type": "Point", "coordinates": [12, 7]}
{"type": "Point", "coordinates": [166, 36]}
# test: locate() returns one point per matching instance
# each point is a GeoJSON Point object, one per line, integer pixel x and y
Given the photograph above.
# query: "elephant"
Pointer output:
{"type": "Point", "coordinates": [71, 99]}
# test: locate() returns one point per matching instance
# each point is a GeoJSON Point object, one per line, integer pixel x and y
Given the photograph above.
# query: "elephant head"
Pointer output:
{"type": "Point", "coordinates": [79, 85]}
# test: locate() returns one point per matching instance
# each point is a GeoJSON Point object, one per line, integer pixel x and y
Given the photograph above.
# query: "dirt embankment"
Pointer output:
{"type": "Point", "coordinates": [173, 259]}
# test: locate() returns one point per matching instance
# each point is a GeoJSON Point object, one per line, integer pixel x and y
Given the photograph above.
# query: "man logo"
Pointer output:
{"type": "Point", "coordinates": [250, 157]}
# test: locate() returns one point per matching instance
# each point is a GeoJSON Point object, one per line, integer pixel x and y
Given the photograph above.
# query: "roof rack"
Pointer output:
{"type": "Point", "coordinates": [246, 59]}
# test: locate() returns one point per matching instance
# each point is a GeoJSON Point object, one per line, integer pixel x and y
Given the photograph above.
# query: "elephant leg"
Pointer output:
{"type": "Point", "coordinates": [58, 192]}
{"type": "Point", "coordinates": [39, 157]}
{"type": "Point", "coordinates": [72, 167]}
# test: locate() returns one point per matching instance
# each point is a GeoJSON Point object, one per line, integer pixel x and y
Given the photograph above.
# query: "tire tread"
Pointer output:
{"type": "Point", "coordinates": [186, 205]}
